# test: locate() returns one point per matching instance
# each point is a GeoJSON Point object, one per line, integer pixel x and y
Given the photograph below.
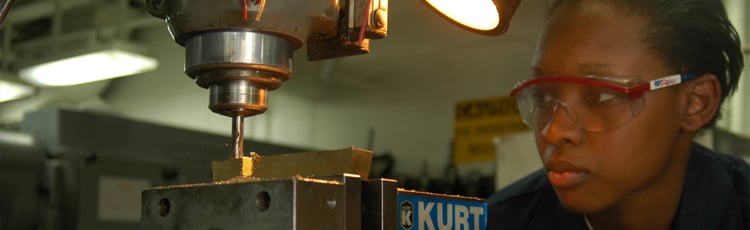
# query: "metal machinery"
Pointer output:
{"type": "Point", "coordinates": [72, 169]}
{"type": "Point", "coordinates": [241, 49]}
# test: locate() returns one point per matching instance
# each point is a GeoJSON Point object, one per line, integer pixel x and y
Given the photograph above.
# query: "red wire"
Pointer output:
{"type": "Point", "coordinates": [364, 23]}
{"type": "Point", "coordinates": [244, 10]}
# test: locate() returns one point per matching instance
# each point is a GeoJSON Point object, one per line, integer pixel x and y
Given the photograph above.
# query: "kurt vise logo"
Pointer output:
{"type": "Point", "coordinates": [407, 215]}
{"type": "Point", "coordinates": [432, 213]}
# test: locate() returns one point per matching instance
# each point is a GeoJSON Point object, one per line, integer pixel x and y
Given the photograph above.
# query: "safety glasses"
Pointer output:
{"type": "Point", "coordinates": [593, 103]}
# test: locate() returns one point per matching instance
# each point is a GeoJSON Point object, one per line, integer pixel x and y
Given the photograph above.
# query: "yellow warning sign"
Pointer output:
{"type": "Point", "coordinates": [477, 122]}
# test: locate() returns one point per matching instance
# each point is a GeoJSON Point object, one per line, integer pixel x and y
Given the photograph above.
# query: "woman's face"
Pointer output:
{"type": "Point", "coordinates": [595, 171]}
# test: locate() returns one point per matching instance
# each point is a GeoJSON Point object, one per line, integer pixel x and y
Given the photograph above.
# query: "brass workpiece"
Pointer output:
{"type": "Point", "coordinates": [323, 163]}
{"type": "Point", "coordinates": [231, 168]}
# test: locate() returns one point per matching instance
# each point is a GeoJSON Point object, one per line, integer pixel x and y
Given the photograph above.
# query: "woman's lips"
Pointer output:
{"type": "Point", "coordinates": [562, 174]}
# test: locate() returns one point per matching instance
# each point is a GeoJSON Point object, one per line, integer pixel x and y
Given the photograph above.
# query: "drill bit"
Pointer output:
{"type": "Point", "coordinates": [238, 136]}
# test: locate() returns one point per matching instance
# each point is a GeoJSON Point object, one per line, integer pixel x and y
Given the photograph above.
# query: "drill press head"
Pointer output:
{"type": "Point", "coordinates": [241, 49]}
{"type": "Point", "coordinates": [238, 68]}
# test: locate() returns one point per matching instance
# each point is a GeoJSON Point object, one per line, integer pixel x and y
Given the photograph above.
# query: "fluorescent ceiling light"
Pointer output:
{"type": "Point", "coordinates": [475, 14]}
{"type": "Point", "coordinates": [12, 90]}
{"type": "Point", "coordinates": [96, 66]}
{"type": "Point", "coordinates": [16, 138]}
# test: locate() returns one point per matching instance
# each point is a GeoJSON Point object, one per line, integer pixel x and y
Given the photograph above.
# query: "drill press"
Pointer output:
{"type": "Point", "coordinates": [238, 68]}
{"type": "Point", "coordinates": [241, 49]}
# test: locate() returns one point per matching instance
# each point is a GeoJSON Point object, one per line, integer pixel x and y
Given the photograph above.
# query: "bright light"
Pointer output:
{"type": "Point", "coordinates": [16, 138]}
{"type": "Point", "coordinates": [106, 64]}
{"type": "Point", "coordinates": [476, 14]}
{"type": "Point", "coordinates": [12, 90]}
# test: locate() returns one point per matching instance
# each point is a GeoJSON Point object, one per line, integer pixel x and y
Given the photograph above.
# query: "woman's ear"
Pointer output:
{"type": "Point", "coordinates": [703, 101]}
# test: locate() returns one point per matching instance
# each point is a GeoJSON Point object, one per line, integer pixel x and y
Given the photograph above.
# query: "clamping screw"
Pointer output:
{"type": "Point", "coordinates": [379, 18]}
{"type": "Point", "coordinates": [156, 8]}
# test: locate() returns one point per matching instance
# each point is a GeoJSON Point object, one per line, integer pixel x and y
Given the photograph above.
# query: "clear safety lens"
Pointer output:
{"type": "Point", "coordinates": [591, 108]}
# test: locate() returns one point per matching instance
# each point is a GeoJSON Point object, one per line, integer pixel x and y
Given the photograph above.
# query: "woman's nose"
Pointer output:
{"type": "Point", "coordinates": [562, 126]}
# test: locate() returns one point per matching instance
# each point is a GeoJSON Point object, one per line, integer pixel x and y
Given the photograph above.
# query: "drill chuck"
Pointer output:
{"type": "Point", "coordinates": [238, 68]}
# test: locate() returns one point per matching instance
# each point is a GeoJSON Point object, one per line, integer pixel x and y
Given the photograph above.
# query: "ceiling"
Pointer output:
{"type": "Point", "coordinates": [424, 58]}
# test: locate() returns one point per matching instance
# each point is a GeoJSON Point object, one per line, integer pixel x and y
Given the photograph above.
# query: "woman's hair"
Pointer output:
{"type": "Point", "coordinates": [691, 36]}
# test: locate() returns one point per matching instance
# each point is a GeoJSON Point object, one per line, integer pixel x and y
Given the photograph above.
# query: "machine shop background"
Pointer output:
{"type": "Point", "coordinates": [154, 129]}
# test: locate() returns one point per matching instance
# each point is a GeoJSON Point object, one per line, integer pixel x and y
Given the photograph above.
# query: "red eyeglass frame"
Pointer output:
{"type": "Point", "coordinates": [634, 92]}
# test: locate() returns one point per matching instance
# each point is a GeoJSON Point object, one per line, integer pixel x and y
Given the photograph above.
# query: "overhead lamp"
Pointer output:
{"type": "Point", "coordinates": [489, 17]}
{"type": "Point", "coordinates": [95, 65]}
{"type": "Point", "coordinates": [11, 90]}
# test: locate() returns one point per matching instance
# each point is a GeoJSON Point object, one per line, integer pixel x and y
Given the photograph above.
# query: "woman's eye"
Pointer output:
{"type": "Point", "coordinates": [604, 96]}
{"type": "Point", "coordinates": [541, 97]}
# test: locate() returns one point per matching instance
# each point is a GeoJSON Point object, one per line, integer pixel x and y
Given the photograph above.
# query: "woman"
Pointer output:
{"type": "Point", "coordinates": [620, 88]}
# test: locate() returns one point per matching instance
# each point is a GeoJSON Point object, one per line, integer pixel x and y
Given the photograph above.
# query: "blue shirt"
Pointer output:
{"type": "Point", "coordinates": [715, 196]}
